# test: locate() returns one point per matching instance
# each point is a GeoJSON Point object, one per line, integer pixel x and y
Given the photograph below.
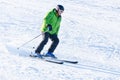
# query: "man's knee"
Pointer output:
{"type": "Point", "coordinates": [56, 41]}
{"type": "Point", "coordinates": [44, 41]}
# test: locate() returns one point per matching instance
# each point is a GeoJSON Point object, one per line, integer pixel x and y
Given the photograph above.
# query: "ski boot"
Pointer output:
{"type": "Point", "coordinates": [37, 55]}
{"type": "Point", "coordinates": [50, 54]}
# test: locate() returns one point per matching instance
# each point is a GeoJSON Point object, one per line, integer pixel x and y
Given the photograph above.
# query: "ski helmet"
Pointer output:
{"type": "Point", "coordinates": [60, 7]}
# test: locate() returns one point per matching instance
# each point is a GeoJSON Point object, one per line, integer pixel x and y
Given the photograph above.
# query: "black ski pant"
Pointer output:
{"type": "Point", "coordinates": [54, 38]}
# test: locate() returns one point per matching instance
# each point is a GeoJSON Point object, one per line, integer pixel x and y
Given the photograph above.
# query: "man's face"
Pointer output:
{"type": "Point", "coordinates": [60, 12]}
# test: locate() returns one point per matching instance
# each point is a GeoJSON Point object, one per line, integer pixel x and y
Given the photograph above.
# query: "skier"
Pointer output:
{"type": "Point", "coordinates": [49, 29]}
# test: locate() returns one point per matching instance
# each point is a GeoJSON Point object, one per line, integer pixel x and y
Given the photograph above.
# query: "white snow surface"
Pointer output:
{"type": "Point", "coordinates": [89, 33]}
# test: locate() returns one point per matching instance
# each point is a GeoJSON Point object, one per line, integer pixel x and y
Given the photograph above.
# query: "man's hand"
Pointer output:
{"type": "Point", "coordinates": [49, 27]}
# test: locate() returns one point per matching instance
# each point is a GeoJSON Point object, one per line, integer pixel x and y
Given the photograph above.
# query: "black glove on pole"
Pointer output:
{"type": "Point", "coordinates": [49, 27]}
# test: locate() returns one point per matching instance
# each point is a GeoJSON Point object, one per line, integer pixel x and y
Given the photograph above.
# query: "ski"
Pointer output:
{"type": "Point", "coordinates": [56, 60]}
{"type": "Point", "coordinates": [63, 60]}
{"type": "Point", "coordinates": [48, 59]}
{"type": "Point", "coordinates": [68, 61]}
{"type": "Point", "coordinates": [53, 60]}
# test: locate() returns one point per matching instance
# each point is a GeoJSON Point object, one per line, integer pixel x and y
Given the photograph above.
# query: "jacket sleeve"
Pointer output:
{"type": "Point", "coordinates": [48, 17]}
{"type": "Point", "coordinates": [46, 21]}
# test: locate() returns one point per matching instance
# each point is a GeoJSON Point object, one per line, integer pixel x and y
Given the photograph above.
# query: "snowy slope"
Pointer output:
{"type": "Point", "coordinates": [89, 33]}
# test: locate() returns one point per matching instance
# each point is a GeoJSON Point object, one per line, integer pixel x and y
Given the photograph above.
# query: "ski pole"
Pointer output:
{"type": "Point", "coordinates": [28, 41]}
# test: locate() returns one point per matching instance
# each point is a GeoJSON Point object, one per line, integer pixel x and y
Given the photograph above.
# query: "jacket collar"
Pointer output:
{"type": "Point", "coordinates": [56, 12]}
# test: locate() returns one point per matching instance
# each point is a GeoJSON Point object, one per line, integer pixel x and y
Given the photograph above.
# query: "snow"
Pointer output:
{"type": "Point", "coordinates": [89, 33]}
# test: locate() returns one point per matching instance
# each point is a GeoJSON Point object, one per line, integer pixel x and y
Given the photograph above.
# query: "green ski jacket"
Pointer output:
{"type": "Point", "coordinates": [54, 20]}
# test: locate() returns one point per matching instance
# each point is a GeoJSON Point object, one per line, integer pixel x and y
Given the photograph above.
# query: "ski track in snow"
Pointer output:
{"type": "Point", "coordinates": [89, 34]}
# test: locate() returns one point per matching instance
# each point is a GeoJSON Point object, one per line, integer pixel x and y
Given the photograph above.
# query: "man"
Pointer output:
{"type": "Point", "coordinates": [49, 29]}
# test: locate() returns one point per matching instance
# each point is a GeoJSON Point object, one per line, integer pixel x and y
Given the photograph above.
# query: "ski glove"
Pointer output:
{"type": "Point", "coordinates": [49, 27]}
